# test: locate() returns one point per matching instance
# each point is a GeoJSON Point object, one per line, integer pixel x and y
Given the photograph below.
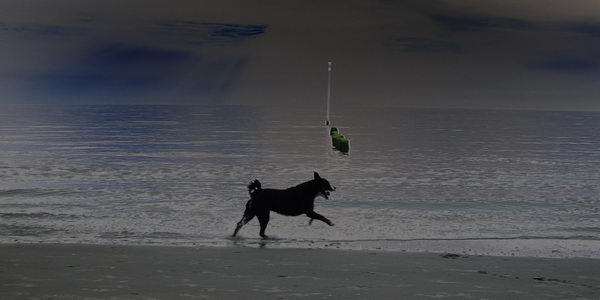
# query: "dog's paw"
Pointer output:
{"type": "Point", "coordinates": [330, 223]}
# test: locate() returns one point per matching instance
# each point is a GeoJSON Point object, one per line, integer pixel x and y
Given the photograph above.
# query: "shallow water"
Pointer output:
{"type": "Point", "coordinates": [473, 181]}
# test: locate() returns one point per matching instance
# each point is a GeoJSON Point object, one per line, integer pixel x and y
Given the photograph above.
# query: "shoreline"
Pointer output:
{"type": "Point", "coordinates": [74, 271]}
{"type": "Point", "coordinates": [498, 247]}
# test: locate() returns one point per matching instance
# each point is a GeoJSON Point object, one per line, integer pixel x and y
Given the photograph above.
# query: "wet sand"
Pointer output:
{"type": "Point", "coordinates": [143, 272]}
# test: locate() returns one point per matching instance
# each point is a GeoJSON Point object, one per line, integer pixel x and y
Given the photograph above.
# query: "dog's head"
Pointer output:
{"type": "Point", "coordinates": [324, 187]}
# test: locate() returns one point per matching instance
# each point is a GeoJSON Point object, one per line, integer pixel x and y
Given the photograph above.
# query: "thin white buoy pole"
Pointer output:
{"type": "Point", "coordinates": [328, 91]}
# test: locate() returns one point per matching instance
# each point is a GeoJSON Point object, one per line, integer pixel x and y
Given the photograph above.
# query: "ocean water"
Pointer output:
{"type": "Point", "coordinates": [468, 181]}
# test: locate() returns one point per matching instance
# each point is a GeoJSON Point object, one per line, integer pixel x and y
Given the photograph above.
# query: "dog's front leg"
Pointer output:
{"type": "Point", "coordinates": [263, 219]}
{"type": "Point", "coordinates": [314, 215]}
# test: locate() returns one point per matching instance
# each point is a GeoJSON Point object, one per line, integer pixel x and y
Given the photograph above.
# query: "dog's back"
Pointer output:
{"type": "Point", "coordinates": [292, 201]}
{"type": "Point", "coordinates": [286, 202]}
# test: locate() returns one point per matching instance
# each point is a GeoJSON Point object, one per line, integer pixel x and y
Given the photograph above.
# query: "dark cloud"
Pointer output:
{"type": "Point", "coordinates": [203, 33]}
{"type": "Point", "coordinates": [118, 68]}
{"type": "Point", "coordinates": [120, 71]}
{"type": "Point", "coordinates": [265, 52]}
{"type": "Point", "coordinates": [478, 22]}
{"type": "Point", "coordinates": [37, 29]}
{"type": "Point", "coordinates": [565, 64]}
{"type": "Point", "coordinates": [154, 63]}
{"type": "Point", "coordinates": [585, 27]}
{"type": "Point", "coordinates": [134, 57]}
{"type": "Point", "coordinates": [218, 77]}
{"type": "Point", "coordinates": [420, 44]}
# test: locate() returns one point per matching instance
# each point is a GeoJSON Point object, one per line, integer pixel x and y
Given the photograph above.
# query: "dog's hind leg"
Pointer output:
{"type": "Point", "coordinates": [248, 215]}
{"type": "Point", "coordinates": [245, 219]}
{"type": "Point", "coordinates": [314, 215]}
{"type": "Point", "coordinates": [263, 219]}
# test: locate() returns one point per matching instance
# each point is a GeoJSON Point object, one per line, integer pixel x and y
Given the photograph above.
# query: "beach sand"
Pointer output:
{"type": "Point", "coordinates": [43, 271]}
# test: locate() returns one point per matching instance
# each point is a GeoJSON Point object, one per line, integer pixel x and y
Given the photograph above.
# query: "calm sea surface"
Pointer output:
{"type": "Point", "coordinates": [472, 181]}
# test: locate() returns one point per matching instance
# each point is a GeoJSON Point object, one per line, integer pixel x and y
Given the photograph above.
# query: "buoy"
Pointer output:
{"type": "Point", "coordinates": [338, 141]}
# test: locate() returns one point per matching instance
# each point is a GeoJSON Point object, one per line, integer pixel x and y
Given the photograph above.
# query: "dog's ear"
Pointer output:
{"type": "Point", "coordinates": [317, 175]}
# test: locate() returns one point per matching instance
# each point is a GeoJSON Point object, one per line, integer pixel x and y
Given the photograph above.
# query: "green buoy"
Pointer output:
{"type": "Point", "coordinates": [338, 141]}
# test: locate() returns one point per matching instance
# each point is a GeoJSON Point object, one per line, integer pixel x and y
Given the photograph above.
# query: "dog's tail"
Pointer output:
{"type": "Point", "coordinates": [254, 187]}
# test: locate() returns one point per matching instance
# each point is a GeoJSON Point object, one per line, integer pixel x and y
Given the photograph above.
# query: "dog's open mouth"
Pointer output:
{"type": "Point", "coordinates": [325, 194]}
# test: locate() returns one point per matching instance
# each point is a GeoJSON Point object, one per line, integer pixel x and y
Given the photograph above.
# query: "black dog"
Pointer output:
{"type": "Point", "coordinates": [293, 201]}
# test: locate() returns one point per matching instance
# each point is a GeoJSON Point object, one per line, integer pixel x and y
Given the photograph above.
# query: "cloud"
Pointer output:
{"type": "Point", "coordinates": [478, 22]}
{"type": "Point", "coordinates": [116, 68]}
{"type": "Point", "coordinates": [129, 56]}
{"type": "Point", "coordinates": [124, 72]}
{"type": "Point", "coordinates": [420, 44]}
{"type": "Point", "coordinates": [205, 33]}
{"type": "Point", "coordinates": [217, 77]}
{"type": "Point", "coordinates": [37, 29]}
{"type": "Point", "coordinates": [186, 32]}
{"type": "Point", "coordinates": [565, 64]}
{"type": "Point", "coordinates": [585, 27]}
{"type": "Point", "coordinates": [147, 61]}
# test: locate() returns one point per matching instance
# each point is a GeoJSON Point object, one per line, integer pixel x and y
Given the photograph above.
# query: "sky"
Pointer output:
{"type": "Point", "coordinates": [527, 54]}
